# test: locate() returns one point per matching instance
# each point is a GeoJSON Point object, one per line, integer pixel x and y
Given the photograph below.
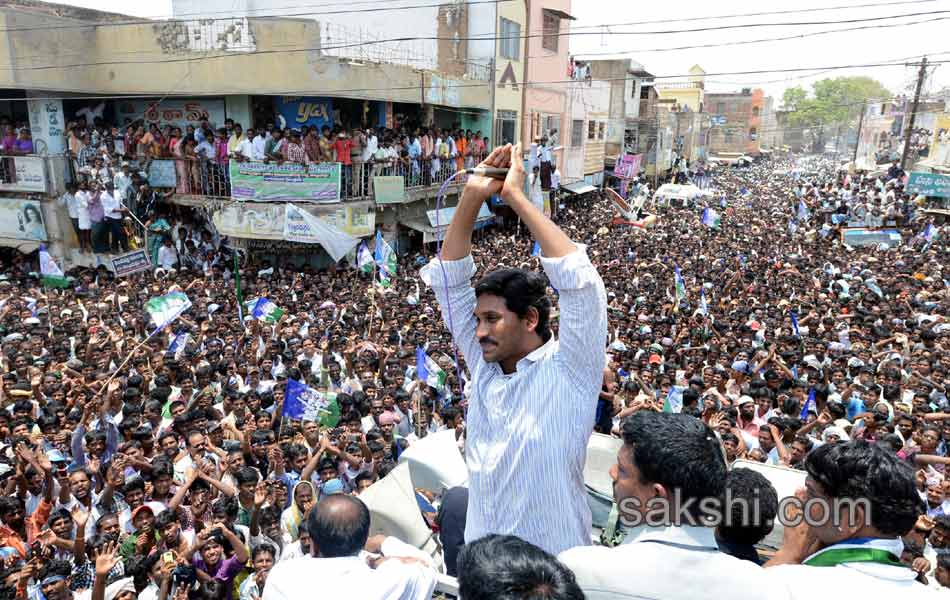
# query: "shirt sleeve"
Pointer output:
{"type": "Point", "coordinates": [451, 283]}
{"type": "Point", "coordinates": [582, 320]}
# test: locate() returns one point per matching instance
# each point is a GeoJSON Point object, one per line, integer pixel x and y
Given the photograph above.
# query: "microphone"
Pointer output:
{"type": "Point", "coordinates": [493, 172]}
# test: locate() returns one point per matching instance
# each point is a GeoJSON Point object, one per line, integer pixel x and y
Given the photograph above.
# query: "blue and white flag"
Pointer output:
{"type": "Point", "coordinates": [303, 402]}
{"type": "Point", "coordinates": [711, 218]}
{"type": "Point", "coordinates": [810, 405]}
{"type": "Point", "coordinates": [803, 213]}
{"type": "Point", "coordinates": [703, 308]}
{"type": "Point", "coordinates": [794, 317]}
{"type": "Point", "coordinates": [267, 311]}
{"type": "Point", "coordinates": [929, 232]}
{"type": "Point", "coordinates": [429, 371]}
{"type": "Point", "coordinates": [177, 347]}
{"type": "Point", "coordinates": [536, 249]}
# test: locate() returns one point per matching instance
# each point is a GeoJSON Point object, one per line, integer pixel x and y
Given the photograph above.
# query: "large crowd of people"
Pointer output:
{"type": "Point", "coordinates": [175, 473]}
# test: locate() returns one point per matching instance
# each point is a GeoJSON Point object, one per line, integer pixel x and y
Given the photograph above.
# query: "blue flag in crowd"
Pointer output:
{"type": "Point", "coordinates": [794, 318]}
{"type": "Point", "coordinates": [177, 347]}
{"type": "Point", "coordinates": [422, 372]}
{"type": "Point", "coordinates": [809, 405]}
{"type": "Point", "coordinates": [303, 402]}
{"type": "Point", "coordinates": [536, 250]}
{"type": "Point", "coordinates": [929, 232]}
{"type": "Point", "coordinates": [802, 211]}
{"type": "Point", "coordinates": [703, 308]}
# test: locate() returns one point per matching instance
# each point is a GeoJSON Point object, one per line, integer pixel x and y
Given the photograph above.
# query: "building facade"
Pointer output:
{"type": "Point", "coordinates": [736, 119]}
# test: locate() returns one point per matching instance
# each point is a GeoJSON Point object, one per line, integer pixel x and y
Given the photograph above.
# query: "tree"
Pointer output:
{"type": "Point", "coordinates": [833, 102]}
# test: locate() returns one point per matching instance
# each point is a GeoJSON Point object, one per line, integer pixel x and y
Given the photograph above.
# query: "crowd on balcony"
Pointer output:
{"type": "Point", "coordinates": [423, 155]}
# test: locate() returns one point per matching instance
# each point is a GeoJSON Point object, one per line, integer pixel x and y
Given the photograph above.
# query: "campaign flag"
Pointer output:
{"type": "Point", "coordinates": [703, 307]}
{"type": "Point", "coordinates": [429, 371]}
{"type": "Point", "coordinates": [167, 308]}
{"type": "Point", "coordinates": [929, 232]}
{"type": "Point", "coordinates": [711, 218]}
{"type": "Point", "coordinates": [237, 289]}
{"type": "Point", "coordinates": [680, 284]}
{"type": "Point", "coordinates": [810, 405]}
{"type": "Point", "coordinates": [794, 317]}
{"type": "Point", "coordinates": [50, 273]}
{"type": "Point", "coordinates": [177, 347]}
{"type": "Point", "coordinates": [803, 213]}
{"type": "Point", "coordinates": [304, 403]}
{"type": "Point", "coordinates": [364, 259]}
{"type": "Point", "coordinates": [536, 249]}
{"type": "Point", "coordinates": [267, 311]}
{"type": "Point", "coordinates": [673, 403]}
{"type": "Point", "coordinates": [386, 259]}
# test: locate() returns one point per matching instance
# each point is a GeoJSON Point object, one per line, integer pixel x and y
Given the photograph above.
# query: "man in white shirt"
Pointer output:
{"type": "Point", "coordinates": [70, 202]}
{"type": "Point", "coordinates": [260, 140]}
{"type": "Point", "coordinates": [534, 397]}
{"type": "Point", "coordinates": [372, 145]}
{"type": "Point", "coordinates": [167, 255]}
{"type": "Point", "coordinates": [669, 467]}
{"type": "Point", "coordinates": [112, 215]}
{"type": "Point", "coordinates": [244, 149]}
{"type": "Point", "coordinates": [339, 531]}
{"type": "Point", "coordinates": [123, 183]}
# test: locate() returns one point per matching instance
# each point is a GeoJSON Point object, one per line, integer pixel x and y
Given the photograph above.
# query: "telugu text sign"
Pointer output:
{"type": "Point", "coordinates": [929, 184]}
{"type": "Point", "coordinates": [29, 174]}
{"type": "Point", "coordinates": [133, 262]}
{"type": "Point", "coordinates": [287, 182]}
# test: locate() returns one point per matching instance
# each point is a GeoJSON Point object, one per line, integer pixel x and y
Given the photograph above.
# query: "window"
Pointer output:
{"type": "Point", "coordinates": [510, 41]}
{"type": "Point", "coordinates": [550, 31]}
{"type": "Point", "coordinates": [720, 108]}
{"type": "Point", "coordinates": [591, 129]}
{"type": "Point", "coordinates": [600, 130]}
{"type": "Point", "coordinates": [753, 133]}
{"type": "Point", "coordinates": [727, 136]}
{"type": "Point", "coordinates": [755, 111]}
{"type": "Point", "coordinates": [577, 133]}
{"type": "Point", "coordinates": [505, 121]}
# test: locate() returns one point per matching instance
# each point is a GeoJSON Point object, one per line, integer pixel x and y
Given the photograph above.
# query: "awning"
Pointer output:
{"type": "Point", "coordinates": [579, 187]}
{"type": "Point", "coordinates": [559, 13]}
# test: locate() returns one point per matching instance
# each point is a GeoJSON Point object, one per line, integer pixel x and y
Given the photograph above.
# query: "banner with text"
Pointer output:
{"type": "Point", "coordinates": [389, 189]}
{"type": "Point", "coordinates": [305, 111]}
{"type": "Point", "coordinates": [929, 184]}
{"type": "Point", "coordinates": [288, 182]}
{"type": "Point", "coordinates": [133, 262]}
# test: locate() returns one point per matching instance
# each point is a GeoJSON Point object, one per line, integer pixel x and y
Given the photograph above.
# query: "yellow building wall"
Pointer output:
{"type": "Point", "coordinates": [691, 97]}
{"type": "Point", "coordinates": [508, 96]}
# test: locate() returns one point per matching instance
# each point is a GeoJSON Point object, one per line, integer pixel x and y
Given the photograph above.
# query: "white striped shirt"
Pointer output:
{"type": "Point", "coordinates": [528, 431]}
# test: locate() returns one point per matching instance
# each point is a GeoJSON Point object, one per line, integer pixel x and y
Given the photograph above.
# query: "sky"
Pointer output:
{"type": "Point", "coordinates": [615, 28]}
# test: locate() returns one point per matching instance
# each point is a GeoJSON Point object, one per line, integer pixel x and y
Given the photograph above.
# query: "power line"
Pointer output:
{"type": "Point", "coordinates": [763, 40]}
{"type": "Point", "coordinates": [485, 84]}
{"type": "Point", "coordinates": [434, 38]}
{"type": "Point", "coordinates": [760, 14]}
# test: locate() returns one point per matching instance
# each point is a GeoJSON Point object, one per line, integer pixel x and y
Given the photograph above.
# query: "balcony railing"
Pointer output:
{"type": "Point", "coordinates": [204, 177]}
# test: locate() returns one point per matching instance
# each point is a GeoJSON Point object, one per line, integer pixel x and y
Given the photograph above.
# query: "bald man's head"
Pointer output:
{"type": "Point", "coordinates": [339, 526]}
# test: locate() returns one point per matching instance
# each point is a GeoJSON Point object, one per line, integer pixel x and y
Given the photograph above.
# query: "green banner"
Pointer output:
{"type": "Point", "coordinates": [934, 185]}
{"type": "Point", "coordinates": [389, 189]}
{"type": "Point", "coordinates": [288, 182]}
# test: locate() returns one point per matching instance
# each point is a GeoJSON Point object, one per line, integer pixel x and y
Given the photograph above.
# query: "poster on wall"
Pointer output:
{"type": "Point", "coordinates": [389, 189]}
{"type": "Point", "coordinates": [304, 111]}
{"type": "Point", "coordinates": [269, 182]}
{"type": "Point", "coordinates": [177, 112]}
{"type": "Point", "coordinates": [161, 174]}
{"type": "Point", "coordinates": [22, 219]}
{"type": "Point", "coordinates": [627, 166]}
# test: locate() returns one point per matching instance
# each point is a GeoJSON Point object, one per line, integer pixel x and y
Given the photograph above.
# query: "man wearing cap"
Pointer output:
{"type": "Point", "coordinates": [534, 397]}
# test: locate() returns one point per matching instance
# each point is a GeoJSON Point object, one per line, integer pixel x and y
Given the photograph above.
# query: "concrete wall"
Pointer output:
{"type": "Point", "coordinates": [141, 59]}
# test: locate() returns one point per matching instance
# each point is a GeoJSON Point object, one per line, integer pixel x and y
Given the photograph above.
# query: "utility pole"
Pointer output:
{"type": "Point", "coordinates": [857, 141]}
{"type": "Point", "coordinates": [921, 74]}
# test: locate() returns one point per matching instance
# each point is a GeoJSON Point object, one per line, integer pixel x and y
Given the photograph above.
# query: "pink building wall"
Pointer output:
{"type": "Point", "coordinates": [542, 98]}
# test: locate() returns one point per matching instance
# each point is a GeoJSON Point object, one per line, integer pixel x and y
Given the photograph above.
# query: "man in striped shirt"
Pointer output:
{"type": "Point", "coordinates": [533, 397]}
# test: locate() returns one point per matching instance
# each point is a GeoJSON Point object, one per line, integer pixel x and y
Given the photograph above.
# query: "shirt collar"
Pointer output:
{"type": "Point", "coordinates": [540, 353]}
{"type": "Point", "coordinates": [685, 535]}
